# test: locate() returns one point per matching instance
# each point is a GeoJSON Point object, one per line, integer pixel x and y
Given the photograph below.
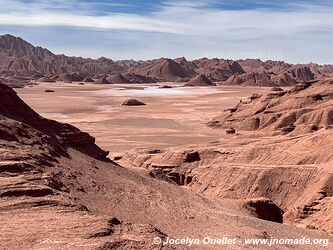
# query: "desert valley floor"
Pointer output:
{"type": "Point", "coordinates": [171, 116]}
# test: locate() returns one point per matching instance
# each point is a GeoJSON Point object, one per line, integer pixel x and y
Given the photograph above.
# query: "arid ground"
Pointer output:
{"type": "Point", "coordinates": [171, 116]}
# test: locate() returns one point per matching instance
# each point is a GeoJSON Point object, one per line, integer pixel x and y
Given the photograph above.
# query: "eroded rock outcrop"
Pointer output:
{"type": "Point", "coordinates": [302, 108]}
{"type": "Point", "coordinates": [12, 107]}
{"type": "Point", "coordinates": [277, 154]}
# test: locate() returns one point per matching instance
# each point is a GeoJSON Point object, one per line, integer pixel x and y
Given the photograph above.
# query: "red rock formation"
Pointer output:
{"type": "Point", "coordinates": [189, 67]}
{"type": "Point", "coordinates": [301, 73]}
{"type": "Point", "coordinates": [284, 79]}
{"type": "Point", "coordinates": [11, 106]}
{"type": "Point", "coordinates": [18, 55]}
{"type": "Point", "coordinates": [218, 69]}
{"type": "Point", "coordinates": [117, 78]}
{"type": "Point", "coordinates": [102, 80]}
{"type": "Point", "coordinates": [251, 79]}
{"type": "Point", "coordinates": [161, 69]}
{"type": "Point", "coordinates": [68, 78]}
{"type": "Point", "coordinates": [300, 109]}
{"type": "Point", "coordinates": [136, 78]}
{"type": "Point", "coordinates": [200, 80]}
{"type": "Point", "coordinates": [20, 58]}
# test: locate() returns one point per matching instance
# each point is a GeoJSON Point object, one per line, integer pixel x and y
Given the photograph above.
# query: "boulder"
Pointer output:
{"type": "Point", "coordinates": [133, 102]}
{"type": "Point", "coordinates": [230, 131]}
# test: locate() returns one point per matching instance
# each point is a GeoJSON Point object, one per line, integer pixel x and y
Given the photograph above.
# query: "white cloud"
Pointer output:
{"type": "Point", "coordinates": [285, 33]}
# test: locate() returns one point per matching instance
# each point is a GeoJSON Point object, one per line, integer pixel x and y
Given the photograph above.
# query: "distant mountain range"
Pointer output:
{"type": "Point", "coordinates": [21, 62]}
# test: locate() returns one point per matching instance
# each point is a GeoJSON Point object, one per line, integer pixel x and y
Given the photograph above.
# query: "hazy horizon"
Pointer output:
{"type": "Point", "coordinates": [296, 31]}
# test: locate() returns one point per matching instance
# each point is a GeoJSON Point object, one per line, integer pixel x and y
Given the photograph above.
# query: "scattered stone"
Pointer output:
{"type": "Point", "coordinates": [165, 87]}
{"type": "Point", "coordinates": [230, 131]}
{"type": "Point", "coordinates": [133, 102]}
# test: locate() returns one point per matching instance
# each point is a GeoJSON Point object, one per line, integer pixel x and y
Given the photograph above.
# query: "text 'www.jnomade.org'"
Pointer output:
{"type": "Point", "coordinates": [233, 241]}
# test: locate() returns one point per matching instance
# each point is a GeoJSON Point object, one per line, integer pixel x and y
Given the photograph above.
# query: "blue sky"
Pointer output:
{"type": "Point", "coordinates": [297, 31]}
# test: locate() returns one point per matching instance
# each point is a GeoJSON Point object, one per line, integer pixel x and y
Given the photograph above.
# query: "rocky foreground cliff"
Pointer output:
{"type": "Point", "coordinates": [59, 191]}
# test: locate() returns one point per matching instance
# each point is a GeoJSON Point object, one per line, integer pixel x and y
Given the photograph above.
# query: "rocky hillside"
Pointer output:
{"type": "Point", "coordinates": [22, 62]}
{"type": "Point", "coordinates": [306, 107]}
{"type": "Point", "coordinates": [12, 107]}
{"type": "Point", "coordinates": [276, 146]}
{"type": "Point", "coordinates": [59, 191]}
{"type": "Point", "coordinates": [19, 57]}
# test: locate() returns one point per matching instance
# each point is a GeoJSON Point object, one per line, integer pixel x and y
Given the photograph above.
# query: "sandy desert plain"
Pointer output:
{"type": "Point", "coordinates": [171, 116]}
